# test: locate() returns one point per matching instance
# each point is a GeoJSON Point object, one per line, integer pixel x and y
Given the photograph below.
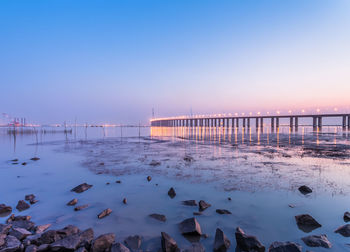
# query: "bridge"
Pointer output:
{"type": "Point", "coordinates": [234, 121]}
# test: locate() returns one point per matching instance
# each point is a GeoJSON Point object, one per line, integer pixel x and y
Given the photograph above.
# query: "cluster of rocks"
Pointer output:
{"type": "Point", "coordinates": [16, 161]}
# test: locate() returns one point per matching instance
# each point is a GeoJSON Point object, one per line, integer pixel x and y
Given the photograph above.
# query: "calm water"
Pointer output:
{"type": "Point", "coordinates": [259, 170]}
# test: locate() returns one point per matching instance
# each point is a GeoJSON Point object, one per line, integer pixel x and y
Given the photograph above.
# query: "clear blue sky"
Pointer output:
{"type": "Point", "coordinates": [112, 61]}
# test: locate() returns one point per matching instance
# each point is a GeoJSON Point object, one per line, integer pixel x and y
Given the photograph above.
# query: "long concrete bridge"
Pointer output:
{"type": "Point", "coordinates": [234, 121]}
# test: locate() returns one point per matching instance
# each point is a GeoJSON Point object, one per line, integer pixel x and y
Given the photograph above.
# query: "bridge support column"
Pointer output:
{"type": "Point", "coordinates": [257, 123]}
{"type": "Point", "coordinates": [344, 122]}
{"type": "Point", "coordinates": [296, 123]}
{"type": "Point", "coordinates": [237, 123]}
{"type": "Point", "coordinates": [223, 122]}
{"type": "Point", "coordinates": [248, 123]}
{"type": "Point", "coordinates": [348, 122]}
{"type": "Point", "coordinates": [233, 123]}
{"type": "Point", "coordinates": [243, 122]}
{"type": "Point", "coordinates": [314, 122]}
{"type": "Point", "coordinates": [261, 122]}
{"type": "Point", "coordinates": [277, 122]}
{"type": "Point", "coordinates": [291, 122]}
{"type": "Point", "coordinates": [319, 122]}
{"type": "Point", "coordinates": [272, 123]}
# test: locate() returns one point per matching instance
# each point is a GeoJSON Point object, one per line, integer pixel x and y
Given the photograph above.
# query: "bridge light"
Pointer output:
{"type": "Point", "coordinates": [289, 111]}
{"type": "Point", "coordinates": [278, 112]}
{"type": "Point", "coordinates": [303, 111]}
{"type": "Point", "coordinates": [335, 109]}
{"type": "Point", "coordinates": [318, 110]}
{"type": "Point", "coordinates": [258, 113]}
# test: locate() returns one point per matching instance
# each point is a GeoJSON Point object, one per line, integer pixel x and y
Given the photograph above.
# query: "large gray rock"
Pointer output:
{"type": "Point", "coordinates": [221, 243]}
{"type": "Point", "coordinates": [168, 243]}
{"type": "Point", "coordinates": [2, 239]}
{"type": "Point", "coordinates": [190, 227]}
{"type": "Point", "coordinates": [73, 242]}
{"type": "Point", "coordinates": [203, 205]}
{"type": "Point", "coordinates": [5, 210]}
{"type": "Point", "coordinates": [317, 241]}
{"type": "Point", "coordinates": [26, 224]}
{"type": "Point", "coordinates": [12, 244]}
{"type": "Point", "coordinates": [344, 230]}
{"type": "Point", "coordinates": [31, 248]}
{"type": "Point", "coordinates": [22, 205]}
{"type": "Point", "coordinates": [119, 247]}
{"type": "Point", "coordinates": [306, 223]}
{"type": "Point", "coordinates": [81, 188]}
{"type": "Point", "coordinates": [285, 247]}
{"type": "Point", "coordinates": [18, 218]}
{"type": "Point", "coordinates": [20, 233]}
{"type": "Point", "coordinates": [133, 242]}
{"type": "Point", "coordinates": [102, 243]}
{"type": "Point", "coordinates": [248, 242]}
{"type": "Point", "coordinates": [5, 228]}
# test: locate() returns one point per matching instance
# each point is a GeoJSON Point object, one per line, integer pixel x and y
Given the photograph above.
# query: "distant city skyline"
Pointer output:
{"type": "Point", "coordinates": [115, 61]}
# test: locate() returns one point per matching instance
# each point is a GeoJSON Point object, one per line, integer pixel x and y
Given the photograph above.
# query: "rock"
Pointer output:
{"type": "Point", "coordinates": [229, 198]}
{"type": "Point", "coordinates": [317, 241]}
{"type": "Point", "coordinates": [168, 243]}
{"type": "Point", "coordinates": [159, 217]}
{"type": "Point", "coordinates": [78, 208]}
{"type": "Point", "coordinates": [291, 205]}
{"type": "Point", "coordinates": [188, 158]}
{"type": "Point", "coordinates": [18, 218]}
{"type": "Point", "coordinates": [119, 247]}
{"type": "Point", "coordinates": [133, 242]}
{"type": "Point", "coordinates": [81, 188]}
{"type": "Point", "coordinates": [306, 222]}
{"type": "Point", "coordinates": [73, 242]}
{"type": "Point", "coordinates": [305, 189]}
{"type": "Point", "coordinates": [31, 248]}
{"type": "Point", "coordinates": [125, 201]}
{"type": "Point", "coordinates": [221, 243]}
{"type": "Point", "coordinates": [12, 244]}
{"type": "Point", "coordinates": [197, 213]}
{"type": "Point", "coordinates": [154, 163]}
{"type": "Point", "coordinates": [189, 203]}
{"type": "Point", "coordinates": [285, 247]}
{"type": "Point", "coordinates": [223, 211]}
{"type": "Point", "coordinates": [43, 247]}
{"type": "Point", "coordinates": [22, 205]}
{"type": "Point", "coordinates": [73, 202]}
{"type": "Point", "coordinates": [14, 160]}
{"type": "Point", "coordinates": [102, 243]}
{"type": "Point", "coordinates": [346, 217]}
{"type": "Point", "coordinates": [24, 163]}
{"type": "Point", "coordinates": [344, 230]}
{"type": "Point", "coordinates": [104, 213]}
{"type": "Point", "coordinates": [195, 247]}
{"type": "Point", "coordinates": [35, 159]}
{"type": "Point", "coordinates": [118, 182]}
{"type": "Point", "coordinates": [5, 228]}
{"type": "Point", "coordinates": [107, 183]}
{"type": "Point", "coordinates": [68, 230]}
{"type": "Point", "coordinates": [203, 205]}
{"type": "Point", "coordinates": [248, 242]}
{"type": "Point", "coordinates": [41, 228]}
{"type": "Point", "coordinates": [190, 227]}
{"type": "Point", "coordinates": [5, 210]}
{"type": "Point", "coordinates": [81, 249]}
{"type": "Point", "coordinates": [171, 193]}
{"type": "Point", "coordinates": [47, 237]}
{"type": "Point", "coordinates": [2, 240]}
{"type": "Point", "coordinates": [33, 201]}
{"type": "Point", "coordinates": [29, 197]}
{"type": "Point", "coordinates": [149, 178]}
{"type": "Point", "coordinates": [23, 224]}
{"type": "Point", "coordinates": [20, 233]}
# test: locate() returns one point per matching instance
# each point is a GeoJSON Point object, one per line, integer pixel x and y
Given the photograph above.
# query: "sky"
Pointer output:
{"type": "Point", "coordinates": [113, 61]}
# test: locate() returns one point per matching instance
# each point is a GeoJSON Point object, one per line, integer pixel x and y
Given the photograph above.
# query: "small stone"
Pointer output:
{"type": "Point", "coordinates": [104, 213]}
{"type": "Point", "coordinates": [133, 242]}
{"type": "Point", "coordinates": [107, 183]}
{"type": "Point", "coordinates": [159, 217]}
{"type": "Point", "coordinates": [125, 201]}
{"type": "Point", "coordinates": [248, 242]}
{"type": "Point", "coordinates": [14, 160]}
{"type": "Point", "coordinates": [291, 206]}
{"type": "Point", "coordinates": [78, 208]}
{"type": "Point", "coordinates": [22, 205]}
{"type": "Point", "coordinates": [35, 159]}
{"type": "Point", "coordinates": [168, 243]}
{"type": "Point", "coordinates": [24, 163]}
{"type": "Point", "coordinates": [149, 178]}
{"type": "Point", "coordinates": [41, 228]}
{"type": "Point", "coordinates": [102, 243]}
{"type": "Point", "coordinates": [20, 233]}
{"type": "Point", "coordinates": [223, 211]}
{"type": "Point", "coordinates": [188, 158]}
{"type": "Point", "coordinates": [189, 203]}
{"type": "Point", "coordinates": [221, 243]}
{"type": "Point", "coordinates": [118, 182]}
{"type": "Point", "coordinates": [197, 213]}
{"type": "Point", "coordinates": [285, 247]}
{"type": "Point", "coordinates": [73, 202]}
{"type": "Point", "coordinates": [119, 247]}
{"type": "Point", "coordinates": [203, 205]}
{"type": "Point", "coordinates": [344, 230]}
{"type": "Point", "coordinates": [18, 218]}
{"type": "Point", "coordinates": [33, 201]}
{"type": "Point", "coordinates": [81, 188]}
{"type": "Point", "coordinates": [171, 193]}
{"type": "Point", "coordinates": [229, 198]}
{"type": "Point", "coordinates": [346, 217]}
{"type": "Point", "coordinates": [190, 227]}
{"type": "Point", "coordinates": [317, 241]}
{"type": "Point", "coordinates": [5, 210]}
{"type": "Point", "coordinates": [154, 163]}
{"type": "Point", "coordinates": [305, 189]}
{"type": "Point", "coordinates": [306, 222]}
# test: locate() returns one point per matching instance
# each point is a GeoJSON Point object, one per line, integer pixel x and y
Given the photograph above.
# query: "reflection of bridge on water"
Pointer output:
{"type": "Point", "coordinates": [234, 121]}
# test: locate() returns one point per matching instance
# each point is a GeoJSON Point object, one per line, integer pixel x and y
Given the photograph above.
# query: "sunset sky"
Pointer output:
{"type": "Point", "coordinates": [113, 61]}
